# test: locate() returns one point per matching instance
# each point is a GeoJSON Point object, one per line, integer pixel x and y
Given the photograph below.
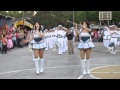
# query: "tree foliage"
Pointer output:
{"type": "Point", "coordinates": [54, 18]}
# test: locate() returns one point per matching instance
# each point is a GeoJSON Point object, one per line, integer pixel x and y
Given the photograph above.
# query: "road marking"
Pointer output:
{"type": "Point", "coordinates": [57, 67]}
{"type": "Point", "coordinates": [23, 49]}
{"type": "Point", "coordinates": [104, 66]}
{"type": "Point", "coordinates": [63, 66]}
{"type": "Point", "coordinates": [102, 72]}
{"type": "Point", "coordinates": [80, 76]}
{"type": "Point", "coordinates": [106, 72]}
{"type": "Point", "coordinates": [94, 77]}
{"type": "Point", "coordinates": [15, 71]}
{"type": "Point", "coordinates": [44, 68]}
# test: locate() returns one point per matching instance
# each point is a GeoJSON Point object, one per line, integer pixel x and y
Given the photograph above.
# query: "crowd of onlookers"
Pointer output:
{"type": "Point", "coordinates": [10, 37]}
{"type": "Point", "coordinates": [97, 35]}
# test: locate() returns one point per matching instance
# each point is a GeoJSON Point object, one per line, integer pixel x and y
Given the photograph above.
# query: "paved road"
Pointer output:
{"type": "Point", "coordinates": [17, 64]}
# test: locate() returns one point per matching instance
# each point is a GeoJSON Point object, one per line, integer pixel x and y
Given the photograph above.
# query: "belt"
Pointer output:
{"type": "Point", "coordinates": [37, 39]}
{"type": "Point", "coordinates": [84, 39]}
{"type": "Point", "coordinates": [113, 37]}
{"type": "Point", "coordinates": [59, 36]}
{"type": "Point", "coordinates": [38, 42]}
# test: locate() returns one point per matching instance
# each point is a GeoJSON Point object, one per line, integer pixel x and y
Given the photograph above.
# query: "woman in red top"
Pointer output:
{"type": "Point", "coordinates": [12, 28]}
{"type": "Point", "coordinates": [0, 42]}
{"type": "Point", "coordinates": [96, 36]}
{"type": "Point", "coordinates": [5, 27]}
{"type": "Point", "coordinates": [4, 45]}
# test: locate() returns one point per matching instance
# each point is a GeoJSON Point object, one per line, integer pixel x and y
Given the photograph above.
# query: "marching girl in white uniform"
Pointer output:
{"type": "Point", "coordinates": [54, 37]}
{"type": "Point", "coordinates": [46, 39]}
{"type": "Point", "coordinates": [114, 35]}
{"type": "Point", "coordinates": [50, 39]}
{"type": "Point", "coordinates": [118, 36]}
{"type": "Point", "coordinates": [38, 47]}
{"type": "Point", "coordinates": [106, 37]}
{"type": "Point", "coordinates": [60, 40]}
{"type": "Point", "coordinates": [85, 46]}
{"type": "Point", "coordinates": [64, 40]}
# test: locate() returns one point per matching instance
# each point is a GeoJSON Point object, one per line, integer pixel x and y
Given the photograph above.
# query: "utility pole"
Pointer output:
{"type": "Point", "coordinates": [23, 18]}
{"type": "Point", "coordinates": [73, 18]}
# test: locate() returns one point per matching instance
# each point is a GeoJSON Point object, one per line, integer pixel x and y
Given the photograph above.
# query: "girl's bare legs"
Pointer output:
{"type": "Point", "coordinates": [41, 55]}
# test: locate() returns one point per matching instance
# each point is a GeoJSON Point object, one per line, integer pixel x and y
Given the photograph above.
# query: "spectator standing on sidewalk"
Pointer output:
{"type": "Point", "coordinates": [70, 36]}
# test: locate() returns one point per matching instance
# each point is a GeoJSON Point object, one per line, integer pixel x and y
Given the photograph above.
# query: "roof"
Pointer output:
{"type": "Point", "coordinates": [26, 23]}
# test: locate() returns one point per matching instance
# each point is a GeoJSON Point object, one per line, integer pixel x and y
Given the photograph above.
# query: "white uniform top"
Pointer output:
{"type": "Point", "coordinates": [85, 41]}
{"type": "Point", "coordinates": [38, 41]}
{"type": "Point", "coordinates": [84, 34]}
{"type": "Point", "coordinates": [107, 34]}
{"type": "Point", "coordinates": [55, 33]}
{"type": "Point", "coordinates": [45, 35]}
{"type": "Point", "coordinates": [59, 33]}
{"type": "Point", "coordinates": [118, 33]}
{"type": "Point", "coordinates": [64, 34]}
{"type": "Point", "coordinates": [52, 34]}
{"type": "Point", "coordinates": [114, 35]}
{"type": "Point", "coordinates": [37, 36]}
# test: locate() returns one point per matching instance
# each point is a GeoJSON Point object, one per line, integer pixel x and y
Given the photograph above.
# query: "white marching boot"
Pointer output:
{"type": "Point", "coordinates": [33, 55]}
{"type": "Point", "coordinates": [41, 65]}
{"type": "Point", "coordinates": [114, 52]}
{"type": "Point", "coordinates": [88, 66]}
{"type": "Point", "coordinates": [83, 66]}
{"type": "Point", "coordinates": [36, 60]}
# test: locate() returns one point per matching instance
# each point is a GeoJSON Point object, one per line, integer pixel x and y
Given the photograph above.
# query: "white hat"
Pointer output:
{"type": "Point", "coordinates": [106, 27]}
{"type": "Point", "coordinates": [72, 28]}
{"type": "Point", "coordinates": [113, 25]}
{"type": "Point", "coordinates": [65, 28]}
{"type": "Point", "coordinates": [59, 26]}
{"type": "Point", "coordinates": [110, 26]}
{"type": "Point", "coordinates": [46, 30]}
